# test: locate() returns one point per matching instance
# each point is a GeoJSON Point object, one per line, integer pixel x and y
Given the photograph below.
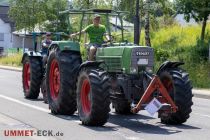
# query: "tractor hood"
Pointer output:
{"type": "Point", "coordinates": [67, 45]}
{"type": "Point", "coordinates": [126, 58]}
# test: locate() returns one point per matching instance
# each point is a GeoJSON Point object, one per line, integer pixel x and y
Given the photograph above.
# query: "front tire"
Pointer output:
{"type": "Point", "coordinates": [62, 69]}
{"type": "Point", "coordinates": [177, 83]}
{"type": "Point", "coordinates": [44, 89]}
{"type": "Point", "coordinates": [93, 96]}
{"type": "Point", "coordinates": [31, 77]}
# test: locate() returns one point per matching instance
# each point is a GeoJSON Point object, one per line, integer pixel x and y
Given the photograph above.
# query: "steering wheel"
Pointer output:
{"type": "Point", "coordinates": [108, 42]}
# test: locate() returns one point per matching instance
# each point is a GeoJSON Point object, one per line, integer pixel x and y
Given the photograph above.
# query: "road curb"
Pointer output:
{"type": "Point", "coordinates": [11, 68]}
{"type": "Point", "coordinates": [205, 94]}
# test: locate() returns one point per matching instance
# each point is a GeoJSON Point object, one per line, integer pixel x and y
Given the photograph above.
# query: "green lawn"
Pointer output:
{"type": "Point", "coordinates": [12, 60]}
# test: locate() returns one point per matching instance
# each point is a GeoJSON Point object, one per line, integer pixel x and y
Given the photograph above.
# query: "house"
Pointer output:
{"type": "Point", "coordinates": [6, 28]}
{"type": "Point", "coordinates": [181, 21]}
{"type": "Point", "coordinates": [24, 38]}
{"type": "Point", "coordinates": [116, 24]}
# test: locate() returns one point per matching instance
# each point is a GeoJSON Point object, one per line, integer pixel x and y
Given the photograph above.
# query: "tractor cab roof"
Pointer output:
{"type": "Point", "coordinates": [46, 33]}
{"type": "Point", "coordinates": [95, 11]}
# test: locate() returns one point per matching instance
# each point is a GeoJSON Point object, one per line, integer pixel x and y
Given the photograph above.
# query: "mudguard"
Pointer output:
{"type": "Point", "coordinates": [91, 64]}
{"type": "Point", "coordinates": [31, 54]}
{"type": "Point", "coordinates": [169, 64]}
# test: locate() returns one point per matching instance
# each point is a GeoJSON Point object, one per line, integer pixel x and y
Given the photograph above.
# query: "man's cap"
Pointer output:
{"type": "Point", "coordinates": [48, 34]}
{"type": "Point", "coordinates": [97, 16]}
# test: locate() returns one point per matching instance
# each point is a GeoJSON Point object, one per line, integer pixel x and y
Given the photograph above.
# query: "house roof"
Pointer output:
{"type": "Point", "coordinates": [4, 2]}
{"type": "Point", "coordinates": [116, 21]}
{"type": "Point", "coordinates": [4, 9]}
{"type": "Point", "coordinates": [4, 13]}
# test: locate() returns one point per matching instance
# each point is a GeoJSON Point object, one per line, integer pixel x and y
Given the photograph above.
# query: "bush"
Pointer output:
{"type": "Point", "coordinates": [177, 43]}
{"type": "Point", "coordinates": [12, 60]}
{"type": "Point", "coordinates": [200, 52]}
{"type": "Point", "coordinates": [161, 54]}
{"type": "Point", "coordinates": [199, 73]}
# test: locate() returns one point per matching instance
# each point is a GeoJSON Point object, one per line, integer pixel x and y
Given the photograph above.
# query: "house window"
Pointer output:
{"type": "Point", "coordinates": [1, 36]}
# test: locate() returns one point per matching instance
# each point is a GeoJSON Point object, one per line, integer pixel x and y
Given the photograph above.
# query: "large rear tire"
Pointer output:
{"type": "Point", "coordinates": [93, 96]}
{"type": "Point", "coordinates": [31, 77]}
{"type": "Point", "coordinates": [177, 83]}
{"type": "Point", "coordinates": [62, 71]}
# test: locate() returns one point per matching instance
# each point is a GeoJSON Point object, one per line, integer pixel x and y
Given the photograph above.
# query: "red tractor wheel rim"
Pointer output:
{"type": "Point", "coordinates": [54, 79]}
{"type": "Point", "coordinates": [26, 77]}
{"type": "Point", "coordinates": [85, 97]}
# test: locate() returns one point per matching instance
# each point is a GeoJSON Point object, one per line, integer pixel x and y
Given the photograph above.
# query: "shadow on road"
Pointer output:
{"type": "Point", "coordinates": [137, 123]}
{"type": "Point", "coordinates": [183, 126]}
{"type": "Point", "coordinates": [142, 124]}
{"type": "Point", "coordinates": [40, 99]}
{"type": "Point", "coordinates": [35, 100]}
{"type": "Point", "coordinates": [74, 117]}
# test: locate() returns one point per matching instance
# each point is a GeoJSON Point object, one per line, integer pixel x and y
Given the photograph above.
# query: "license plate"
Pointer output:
{"type": "Point", "coordinates": [153, 107]}
{"type": "Point", "coordinates": [143, 62]}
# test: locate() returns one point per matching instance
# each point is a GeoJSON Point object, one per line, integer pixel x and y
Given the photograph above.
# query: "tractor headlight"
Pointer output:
{"type": "Point", "coordinates": [133, 70]}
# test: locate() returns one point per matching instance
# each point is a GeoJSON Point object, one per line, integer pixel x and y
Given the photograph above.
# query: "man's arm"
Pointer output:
{"type": "Point", "coordinates": [106, 34]}
{"type": "Point", "coordinates": [86, 30]}
{"type": "Point", "coordinates": [75, 34]}
{"type": "Point", "coordinates": [107, 37]}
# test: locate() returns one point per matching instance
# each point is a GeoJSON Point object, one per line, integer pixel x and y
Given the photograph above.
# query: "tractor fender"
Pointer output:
{"type": "Point", "coordinates": [31, 54]}
{"type": "Point", "coordinates": [90, 64]}
{"type": "Point", "coordinates": [169, 64]}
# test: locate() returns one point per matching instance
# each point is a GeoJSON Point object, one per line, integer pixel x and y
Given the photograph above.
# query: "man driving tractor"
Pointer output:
{"type": "Point", "coordinates": [46, 43]}
{"type": "Point", "coordinates": [96, 31]}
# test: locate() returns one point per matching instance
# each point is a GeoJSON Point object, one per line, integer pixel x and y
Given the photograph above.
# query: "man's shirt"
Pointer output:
{"type": "Point", "coordinates": [47, 42]}
{"type": "Point", "coordinates": [96, 33]}
{"type": "Point", "coordinates": [45, 48]}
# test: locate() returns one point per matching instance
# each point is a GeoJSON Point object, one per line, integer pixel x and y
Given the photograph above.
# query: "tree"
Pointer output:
{"type": "Point", "coordinates": [134, 16]}
{"type": "Point", "coordinates": [137, 24]}
{"type": "Point", "coordinates": [88, 4]}
{"type": "Point", "coordinates": [27, 14]}
{"type": "Point", "coordinates": [196, 9]}
{"type": "Point", "coordinates": [83, 4]}
{"type": "Point", "coordinates": [147, 24]}
{"type": "Point", "coordinates": [56, 22]}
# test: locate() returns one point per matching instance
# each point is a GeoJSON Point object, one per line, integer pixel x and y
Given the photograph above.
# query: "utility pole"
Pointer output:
{"type": "Point", "coordinates": [137, 24]}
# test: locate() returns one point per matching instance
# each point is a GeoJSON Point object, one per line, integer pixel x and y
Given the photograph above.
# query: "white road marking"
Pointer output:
{"type": "Point", "coordinates": [25, 104]}
{"type": "Point", "coordinates": [77, 121]}
{"type": "Point", "coordinates": [202, 115]}
{"type": "Point", "coordinates": [133, 138]}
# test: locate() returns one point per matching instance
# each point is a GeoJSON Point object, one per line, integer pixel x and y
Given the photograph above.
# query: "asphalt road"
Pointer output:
{"type": "Point", "coordinates": [18, 113]}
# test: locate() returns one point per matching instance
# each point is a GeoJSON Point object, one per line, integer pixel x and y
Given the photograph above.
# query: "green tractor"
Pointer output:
{"type": "Point", "coordinates": [121, 75]}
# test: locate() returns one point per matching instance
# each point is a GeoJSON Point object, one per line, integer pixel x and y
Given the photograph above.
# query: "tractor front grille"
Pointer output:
{"type": "Point", "coordinates": [114, 64]}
